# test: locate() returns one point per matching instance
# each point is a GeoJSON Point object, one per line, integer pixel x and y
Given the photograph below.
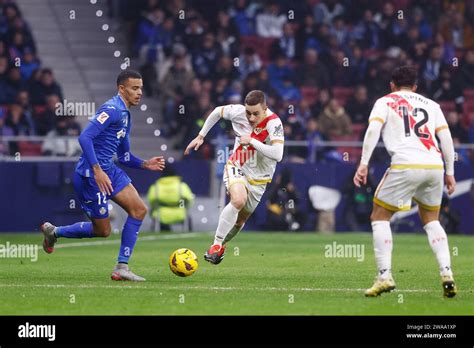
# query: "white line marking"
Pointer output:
{"type": "Point", "coordinates": [210, 288]}
{"type": "Point", "coordinates": [117, 241]}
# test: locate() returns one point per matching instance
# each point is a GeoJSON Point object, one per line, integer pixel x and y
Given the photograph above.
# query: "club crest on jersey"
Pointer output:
{"type": "Point", "coordinates": [258, 130]}
{"type": "Point", "coordinates": [121, 134]}
{"type": "Point", "coordinates": [102, 117]}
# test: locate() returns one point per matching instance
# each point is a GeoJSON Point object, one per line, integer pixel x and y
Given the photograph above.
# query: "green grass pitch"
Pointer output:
{"type": "Point", "coordinates": [262, 274]}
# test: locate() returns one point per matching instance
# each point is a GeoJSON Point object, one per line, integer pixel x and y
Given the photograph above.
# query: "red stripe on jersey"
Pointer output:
{"type": "Point", "coordinates": [260, 133]}
{"type": "Point", "coordinates": [400, 101]}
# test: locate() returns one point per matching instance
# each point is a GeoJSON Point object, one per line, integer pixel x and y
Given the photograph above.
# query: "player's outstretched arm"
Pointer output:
{"type": "Point", "coordinates": [447, 148]}
{"type": "Point", "coordinates": [371, 139]}
{"type": "Point", "coordinates": [127, 158]}
{"type": "Point", "coordinates": [211, 120]}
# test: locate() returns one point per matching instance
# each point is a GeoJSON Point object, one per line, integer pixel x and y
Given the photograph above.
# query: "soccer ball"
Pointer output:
{"type": "Point", "coordinates": [183, 262]}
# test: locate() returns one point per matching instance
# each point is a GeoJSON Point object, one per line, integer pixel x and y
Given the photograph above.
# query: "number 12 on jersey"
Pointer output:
{"type": "Point", "coordinates": [418, 125]}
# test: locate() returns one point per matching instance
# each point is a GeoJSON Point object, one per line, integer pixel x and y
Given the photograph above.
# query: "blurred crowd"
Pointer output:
{"type": "Point", "coordinates": [29, 92]}
{"type": "Point", "coordinates": [322, 63]}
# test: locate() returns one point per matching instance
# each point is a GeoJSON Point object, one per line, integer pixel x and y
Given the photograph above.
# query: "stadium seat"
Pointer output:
{"type": "Point", "coordinates": [310, 94]}
{"type": "Point", "coordinates": [447, 106]}
{"type": "Point", "coordinates": [358, 129]}
{"type": "Point", "coordinates": [469, 94]}
{"type": "Point", "coordinates": [342, 94]}
{"type": "Point", "coordinates": [262, 46]}
{"type": "Point", "coordinates": [29, 148]}
{"type": "Point", "coordinates": [353, 153]}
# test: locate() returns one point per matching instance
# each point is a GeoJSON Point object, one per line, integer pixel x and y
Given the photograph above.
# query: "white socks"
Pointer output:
{"type": "Point", "coordinates": [227, 220]}
{"type": "Point", "coordinates": [233, 232]}
{"type": "Point", "coordinates": [439, 244]}
{"type": "Point", "coordinates": [383, 246]}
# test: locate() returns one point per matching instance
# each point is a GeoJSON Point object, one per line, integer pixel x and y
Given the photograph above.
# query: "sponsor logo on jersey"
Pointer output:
{"type": "Point", "coordinates": [278, 132]}
{"type": "Point", "coordinates": [102, 117]}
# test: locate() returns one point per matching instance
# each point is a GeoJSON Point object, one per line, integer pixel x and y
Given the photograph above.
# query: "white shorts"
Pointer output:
{"type": "Point", "coordinates": [233, 175]}
{"type": "Point", "coordinates": [399, 186]}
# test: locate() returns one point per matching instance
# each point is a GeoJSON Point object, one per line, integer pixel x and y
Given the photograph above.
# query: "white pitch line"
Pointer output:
{"type": "Point", "coordinates": [117, 241]}
{"type": "Point", "coordinates": [210, 288]}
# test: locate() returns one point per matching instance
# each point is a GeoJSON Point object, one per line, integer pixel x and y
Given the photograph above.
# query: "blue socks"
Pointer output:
{"type": "Point", "coordinates": [84, 230]}
{"type": "Point", "coordinates": [77, 230]}
{"type": "Point", "coordinates": [129, 238]}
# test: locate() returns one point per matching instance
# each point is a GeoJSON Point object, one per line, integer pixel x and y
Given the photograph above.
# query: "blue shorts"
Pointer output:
{"type": "Point", "coordinates": [93, 202]}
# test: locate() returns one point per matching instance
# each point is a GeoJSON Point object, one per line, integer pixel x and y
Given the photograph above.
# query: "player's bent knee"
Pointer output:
{"type": "Point", "coordinates": [239, 202]}
{"type": "Point", "coordinates": [139, 212]}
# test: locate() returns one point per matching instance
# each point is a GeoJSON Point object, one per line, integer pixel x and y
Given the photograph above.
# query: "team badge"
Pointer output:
{"type": "Point", "coordinates": [258, 130]}
{"type": "Point", "coordinates": [102, 211]}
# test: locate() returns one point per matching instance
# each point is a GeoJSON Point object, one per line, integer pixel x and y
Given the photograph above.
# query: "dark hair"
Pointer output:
{"type": "Point", "coordinates": [255, 97]}
{"type": "Point", "coordinates": [404, 76]}
{"type": "Point", "coordinates": [127, 74]}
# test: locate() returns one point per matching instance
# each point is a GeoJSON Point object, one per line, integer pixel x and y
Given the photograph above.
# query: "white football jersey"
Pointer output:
{"type": "Point", "coordinates": [410, 122]}
{"type": "Point", "coordinates": [258, 168]}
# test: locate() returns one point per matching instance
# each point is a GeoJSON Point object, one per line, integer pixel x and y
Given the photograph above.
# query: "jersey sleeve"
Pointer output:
{"type": "Point", "coordinates": [379, 111]}
{"type": "Point", "coordinates": [230, 111]}
{"type": "Point", "coordinates": [275, 131]}
{"type": "Point", "coordinates": [105, 116]}
{"type": "Point", "coordinates": [440, 120]}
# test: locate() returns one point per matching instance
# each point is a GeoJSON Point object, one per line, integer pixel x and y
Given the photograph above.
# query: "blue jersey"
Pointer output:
{"type": "Point", "coordinates": [111, 127]}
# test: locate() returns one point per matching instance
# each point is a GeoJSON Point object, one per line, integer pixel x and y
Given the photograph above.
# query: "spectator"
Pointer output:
{"type": "Point", "coordinates": [242, 18]}
{"type": "Point", "coordinates": [432, 68]}
{"type": "Point", "coordinates": [367, 32]}
{"type": "Point", "coordinates": [206, 57]}
{"type": "Point", "coordinates": [29, 64]}
{"type": "Point", "coordinates": [325, 11]}
{"type": "Point", "coordinates": [412, 43]}
{"type": "Point", "coordinates": [174, 86]}
{"type": "Point", "coordinates": [249, 62]}
{"type": "Point", "coordinates": [359, 106]}
{"type": "Point", "coordinates": [324, 97]}
{"type": "Point", "coordinates": [314, 136]}
{"type": "Point", "coordinates": [334, 121]}
{"type": "Point", "coordinates": [458, 133]}
{"type": "Point", "coordinates": [18, 123]}
{"type": "Point", "coordinates": [54, 145]}
{"type": "Point", "coordinates": [286, 44]}
{"type": "Point", "coordinates": [312, 72]}
{"type": "Point", "coordinates": [46, 86]}
{"type": "Point", "coordinates": [286, 90]}
{"type": "Point", "coordinates": [418, 20]}
{"type": "Point", "coordinates": [358, 204]}
{"type": "Point", "coordinates": [14, 84]}
{"type": "Point", "coordinates": [5, 131]}
{"type": "Point", "coordinates": [340, 31]}
{"type": "Point", "coordinates": [45, 121]}
{"type": "Point", "coordinates": [308, 30]}
{"type": "Point", "coordinates": [444, 88]}
{"type": "Point", "coordinates": [23, 99]}
{"type": "Point", "coordinates": [278, 70]}
{"type": "Point", "coordinates": [193, 33]}
{"type": "Point", "coordinates": [465, 75]}
{"type": "Point", "coordinates": [226, 69]}
{"type": "Point", "coordinates": [283, 213]}
{"type": "Point", "coordinates": [169, 199]}
{"type": "Point", "coordinates": [269, 23]}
